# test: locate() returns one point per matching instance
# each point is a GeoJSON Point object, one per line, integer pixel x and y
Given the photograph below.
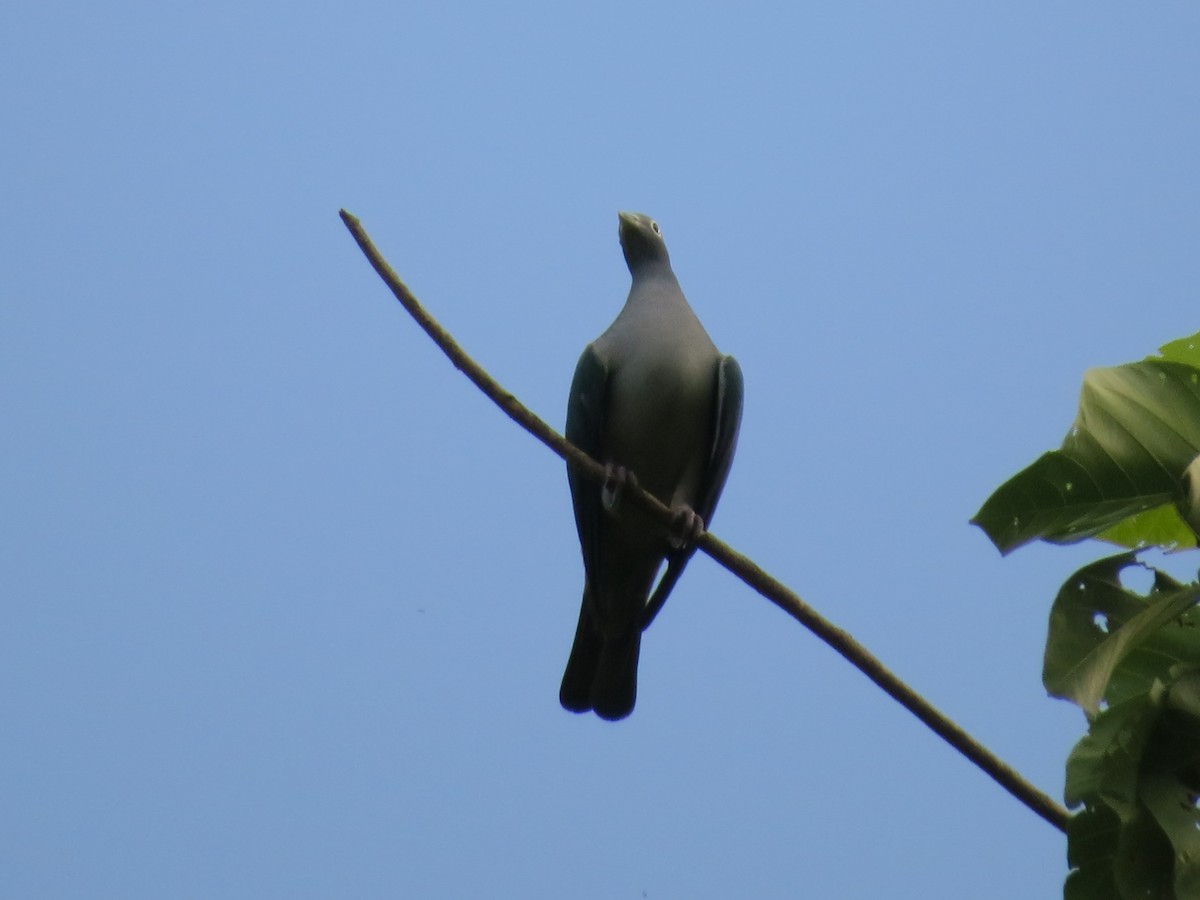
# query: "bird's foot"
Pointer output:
{"type": "Point", "coordinates": [615, 480]}
{"type": "Point", "coordinates": [686, 527]}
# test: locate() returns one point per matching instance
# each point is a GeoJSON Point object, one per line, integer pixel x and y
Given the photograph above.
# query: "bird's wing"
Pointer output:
{"type": "Point", "coordinates": [727, 422]}
{"type": "Point", "coordinates": [585, 429]}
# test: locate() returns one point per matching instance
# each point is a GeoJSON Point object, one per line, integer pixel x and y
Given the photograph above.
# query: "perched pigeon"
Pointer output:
{"type": "Point", "coordinates": [658, 405]}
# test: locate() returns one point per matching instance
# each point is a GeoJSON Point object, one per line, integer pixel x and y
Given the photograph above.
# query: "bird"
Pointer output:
{"type": "Point", "coordinates": [656, 403]}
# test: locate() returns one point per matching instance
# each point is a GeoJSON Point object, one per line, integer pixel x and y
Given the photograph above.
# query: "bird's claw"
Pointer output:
{"type": "Point", "coordinates": [615, 480]}
{"type": "Point", "coordinates": [686, 527]}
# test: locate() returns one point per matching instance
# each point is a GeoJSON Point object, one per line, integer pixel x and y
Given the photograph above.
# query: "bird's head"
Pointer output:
{"type": "Point", "coordinates": [641, 239]}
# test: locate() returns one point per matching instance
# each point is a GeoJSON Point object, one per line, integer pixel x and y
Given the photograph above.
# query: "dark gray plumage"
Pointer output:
{"type": "Point", "coordinates": [652, 398]}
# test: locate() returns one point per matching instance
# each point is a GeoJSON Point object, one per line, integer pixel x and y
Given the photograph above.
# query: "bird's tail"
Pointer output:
{"type": "Point", "coordinates": [601, 672]}
{"type": "Point", "coordinates": [614, 689]}
{"type": "Point", "coordinates": [576, 691]}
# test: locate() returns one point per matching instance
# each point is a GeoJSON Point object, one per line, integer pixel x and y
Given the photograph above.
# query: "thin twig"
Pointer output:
{"type": "Point", "coordinates": [735, 562]}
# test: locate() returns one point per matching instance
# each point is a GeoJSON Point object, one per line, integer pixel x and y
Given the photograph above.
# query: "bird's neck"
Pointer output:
{"type": "Point", "coordinates": [653, 272]}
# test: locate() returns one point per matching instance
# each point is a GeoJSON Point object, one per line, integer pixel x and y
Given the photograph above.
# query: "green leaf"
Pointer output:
{"type": "Point", "coordinates": [1137, 429]}
{"type": "Point", "coordinates": [1158, 527]}
{"type": "Point", "coordinates": [1103, 766]}
{"type": "Point", "coordinates": [1185, 350]}
{"type": "Point", "coordinates": [1137, 773]}
{"type": "Point", "coordinates": [1108, 642]}
{"type": "Point", "coordinates": [1103, 772]}
{"type": "Point", "coordinates": [1143, 865]}
{"type": "Point", "coordinates": [1168, 788]}
{"type": "Point", "coordinates": [1092, 836]}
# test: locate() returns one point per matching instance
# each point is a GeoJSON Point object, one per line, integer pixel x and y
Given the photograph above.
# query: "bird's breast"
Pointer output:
{"type": "Point", "coordinates": [659, 423]}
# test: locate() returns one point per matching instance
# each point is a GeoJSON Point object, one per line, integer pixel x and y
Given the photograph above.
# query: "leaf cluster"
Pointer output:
{"type": "Point", "coordinates": [1119, 473]}
{"type": "Point", "coordinates": [1130, 660]}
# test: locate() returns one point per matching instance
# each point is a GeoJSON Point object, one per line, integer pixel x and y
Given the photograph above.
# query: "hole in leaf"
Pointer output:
{"type": "Point", "coordinates": [1100, 620]}
{"type": "Point", "coordinates": [1137, 579]}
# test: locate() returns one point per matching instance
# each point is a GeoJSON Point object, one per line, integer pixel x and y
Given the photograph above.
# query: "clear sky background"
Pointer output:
{"type": "Point", "coordinates": [284, 601]}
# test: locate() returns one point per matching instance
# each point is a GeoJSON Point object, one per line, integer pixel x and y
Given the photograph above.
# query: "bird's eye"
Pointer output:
{"type": "Point", "coordinates": [654, 225]}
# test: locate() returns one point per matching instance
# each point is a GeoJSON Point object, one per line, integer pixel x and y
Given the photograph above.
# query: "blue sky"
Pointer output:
{"type": "Point", "coordinates": [286, 601]}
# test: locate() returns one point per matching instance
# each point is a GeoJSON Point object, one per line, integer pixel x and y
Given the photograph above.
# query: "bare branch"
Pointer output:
{"type": "Point", "coordinates": [735, 562]}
